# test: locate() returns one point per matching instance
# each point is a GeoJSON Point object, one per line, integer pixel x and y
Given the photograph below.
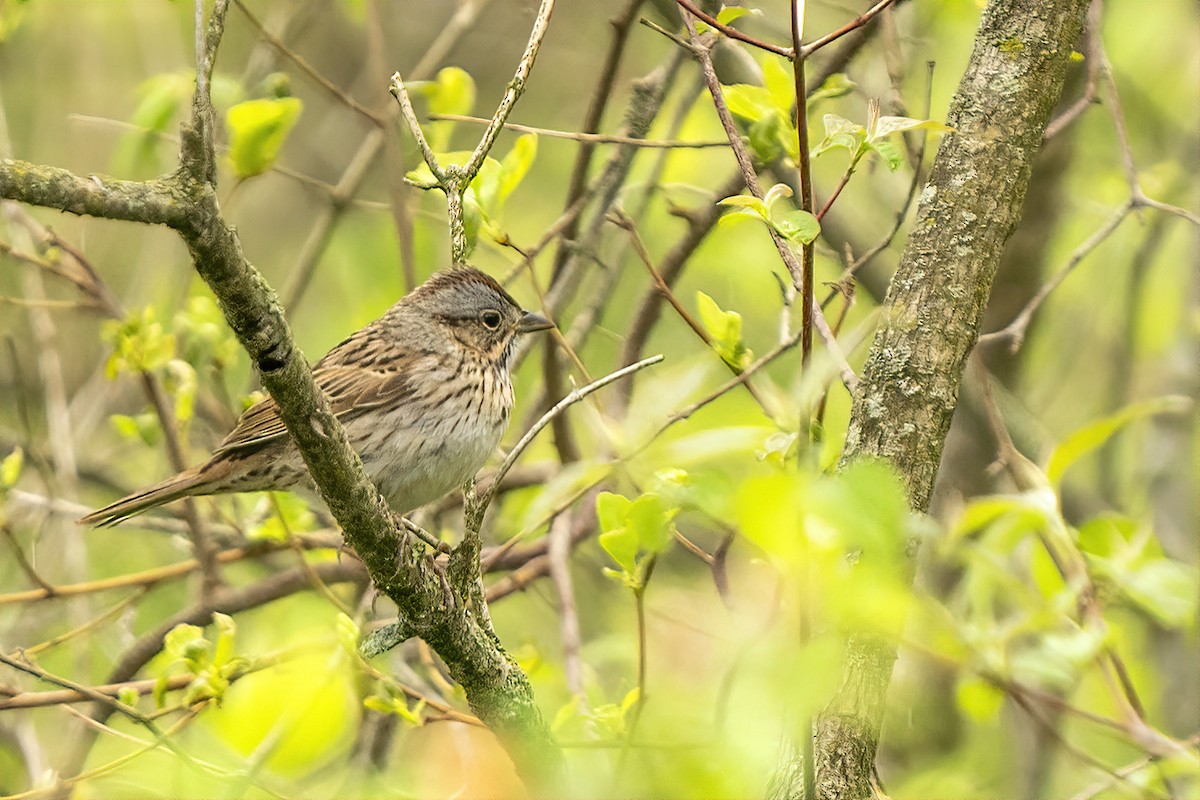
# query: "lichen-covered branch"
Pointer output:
{"type": "Point", "coordinates": [909, 385]}
{"type": "Point", "coordinates": [186, 201]}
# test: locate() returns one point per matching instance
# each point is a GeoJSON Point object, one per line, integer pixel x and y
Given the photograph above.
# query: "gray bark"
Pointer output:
{"type": "Point", "coordinates": [910, 382]}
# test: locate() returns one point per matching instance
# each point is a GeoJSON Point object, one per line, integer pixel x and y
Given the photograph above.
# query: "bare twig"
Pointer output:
{"type": "Point", "coordinates": [303, 65]}
{"type": "Point", "coordinates": [734, 33]}
{"type": "Point", "coordinates": [862, 19]}
{"type": "Point", "coordinates": [590, 138]}
{"type": "Point", "coordinates": [786, 254]}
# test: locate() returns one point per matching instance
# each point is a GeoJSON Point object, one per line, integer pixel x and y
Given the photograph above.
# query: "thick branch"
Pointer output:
{"type": "Point", "coordinates": [909, 385]}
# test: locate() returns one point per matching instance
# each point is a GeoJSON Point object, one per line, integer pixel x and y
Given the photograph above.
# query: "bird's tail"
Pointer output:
{"type": "Point", "coordinates": [189, 482]}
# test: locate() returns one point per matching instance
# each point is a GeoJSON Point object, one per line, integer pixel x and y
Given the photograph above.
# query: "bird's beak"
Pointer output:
{"type": "Point", "coordinates": [531, 322]}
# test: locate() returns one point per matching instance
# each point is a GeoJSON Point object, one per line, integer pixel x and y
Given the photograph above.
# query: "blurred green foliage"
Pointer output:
{"type": "Point", "coordinates": [1024, 586]}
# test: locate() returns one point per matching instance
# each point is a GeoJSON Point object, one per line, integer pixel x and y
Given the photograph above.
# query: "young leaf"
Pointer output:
{"type": "Point", "coordinates": [779, 82]}
{"type": "Point", "coordinates": [1166, 589]}
{"type": "Point", "coordinates": [749, 102]}
{"type": "Point", "coordinates": [840, 132]}
{"type": "Point", "coordinates": [257, 131]}
{"type": "Point", "coordinates": [886, 126]}
{"type": "Point", "coordinates": [1090, 437]}
{"type": "Point", "coordinates": [612, 510]}
{"type": "Point", "coordinates": [773, 195]}
{"type": "Point", "coordinates": [730, 13]}
{"type": "Point", "coordinates": [747, 203]}
{"type": "Point", "coordinates": [651, 520]}
{"type": "Point", "coordinates": [890, 154]}
{"type": "Point", "coordinates": [451, 92]}
{"type": "Point", "coordinates": [10, 468]}
{"type": "Point", "coordinates": [836, 85]}
{"type": "Point", "coordinates": [622, 545]}
{"type": "Point", "coordinates": [798, 226]}
{"type": "Point", "coordinates": [725, 330]}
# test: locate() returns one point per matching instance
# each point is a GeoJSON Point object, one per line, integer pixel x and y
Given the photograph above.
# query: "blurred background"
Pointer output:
{"type": "Point", "coordinates": [999, 679]}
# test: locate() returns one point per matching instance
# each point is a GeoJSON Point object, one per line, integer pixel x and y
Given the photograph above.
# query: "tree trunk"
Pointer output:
{"type": "Point", "coordinates": [909, 386]}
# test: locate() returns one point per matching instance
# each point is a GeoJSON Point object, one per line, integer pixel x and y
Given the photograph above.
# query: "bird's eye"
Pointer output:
{"type": "Point", "coordinates": [490, 319]}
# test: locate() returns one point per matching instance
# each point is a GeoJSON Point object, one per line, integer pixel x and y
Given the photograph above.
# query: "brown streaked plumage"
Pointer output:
{"type": "Point", "coordinates": [424, 394]}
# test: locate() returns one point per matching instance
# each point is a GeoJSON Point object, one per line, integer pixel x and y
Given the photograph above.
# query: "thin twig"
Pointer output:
{"type": "Point", "coordinates": [572, 398]}
{"type": "Point", "coordinates": [303, 65]}
{"type": "Point", "coordinates": [862, 19]}
{"type": "Point", "coordinates": [591, 138]}
{"type": "Point", "coordinates": [742, 154]}
{"type": "Point", "coordinates": [1014, 332]}
{"type": "Point", "coordinates": [734, 33]}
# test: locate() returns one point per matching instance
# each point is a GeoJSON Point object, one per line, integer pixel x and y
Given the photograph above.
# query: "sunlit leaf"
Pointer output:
{"type": "Point", "coordinates": [10, 468]}
{"type": "Point", "coordinates": [799, 226]}
{"type": "Point", "coordinates": [257, 130]}
{"type": "Point", "coordinates": [840, 132]}
{"type": "Point", "coordinates": [780, 84]}
{"type": "Point", "coordinates": [451, 92]}
{"type": "Point", "coordinates": [650, 518]}
{"type": "Point", "coordinates": [886, 126]}
{"type": "Point", "coordinates": [730, 13]}
{"type": "Point", "coordinates": [622, 545]}
{"type": "Point", "coordinates": [748, 101]}
{"type": "Point", "coordinates": [980, 699]}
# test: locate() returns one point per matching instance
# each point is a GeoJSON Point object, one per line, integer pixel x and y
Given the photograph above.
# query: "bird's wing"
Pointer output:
{"type": "Point", "coordinates": [351, 390]}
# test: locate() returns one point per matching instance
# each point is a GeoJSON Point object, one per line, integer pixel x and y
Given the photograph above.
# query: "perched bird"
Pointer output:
{"type": "Point", "coordinates": [424, 394]}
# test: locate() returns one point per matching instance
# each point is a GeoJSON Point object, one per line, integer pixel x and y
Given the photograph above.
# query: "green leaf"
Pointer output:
{"type": "Point", "coordinates": [139, 343]}
{"type": "Point", "coordinates": [840, 132]}
{"type": "Point", "coordinates": [622, 545]}
{"type": "Point", "coordinates": [226, 637]}
{"type": "Point", "coordinates": [180, 383]}
{"type": "Point", "coordinates": [143, 428]}
{"type": "Point", "coordinates": [730, 13]}
{"type": "Point", "coordinates": [836, 85]}
{"type": "Point", "coordinates": [129, 696]}
{"type": "Point", "coordinates": [770, 515]}
{"type": "Point", "coordinates": [612, 510]}
{"type": "Point", "coordinates": [780, 84]}
{"type": "Point", "coordinates": [513, 169]}
{"type": "Point", "coordinates": [10, 468]}
{"type": "Point", "coordinates": [160, 690]}
{"type": "Point", "coordinates": [748, 203]}
{"type": "Point", "coordinates": [749, 102]}
{"type": "Point", "coordinates": [866, 505]}
{"type": "Point", "coordinates": [204, 338]}
{"type": "Point", "coordinates": [773, 195]}
{"type": "Point", "coordinates": [161, 98]}
{"type": "Point", "coordinates": [797, 226]}
{"type": "Point", "coordinates": [451, 92]}
{"type": "Point", "coordinates": [1096, 434]}
{"type": "Point", "coordinates": [181, 639]}
{"type": "Point", "coordinates": [890, 153]}
{"type": "Point", "coordinates": [725, 330]}
{"type": "Point", "coordinates": [567, 713]}
{"type": "Point", "coordinates": [978, 698]}
{"type": "Point", "coordinates": [1165, 589]}
{"type": "Point", "coordinates": [650, 518]}
{"type": "Point", "coordinates": [886, 126]}
{"type": "Point", "coordinates": [765, 136]}
{"type": "Point", "coordinates": [257, 131]}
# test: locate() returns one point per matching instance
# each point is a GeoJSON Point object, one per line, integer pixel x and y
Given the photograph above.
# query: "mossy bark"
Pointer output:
{"type": "Point", "coordinates": [909, 385]}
